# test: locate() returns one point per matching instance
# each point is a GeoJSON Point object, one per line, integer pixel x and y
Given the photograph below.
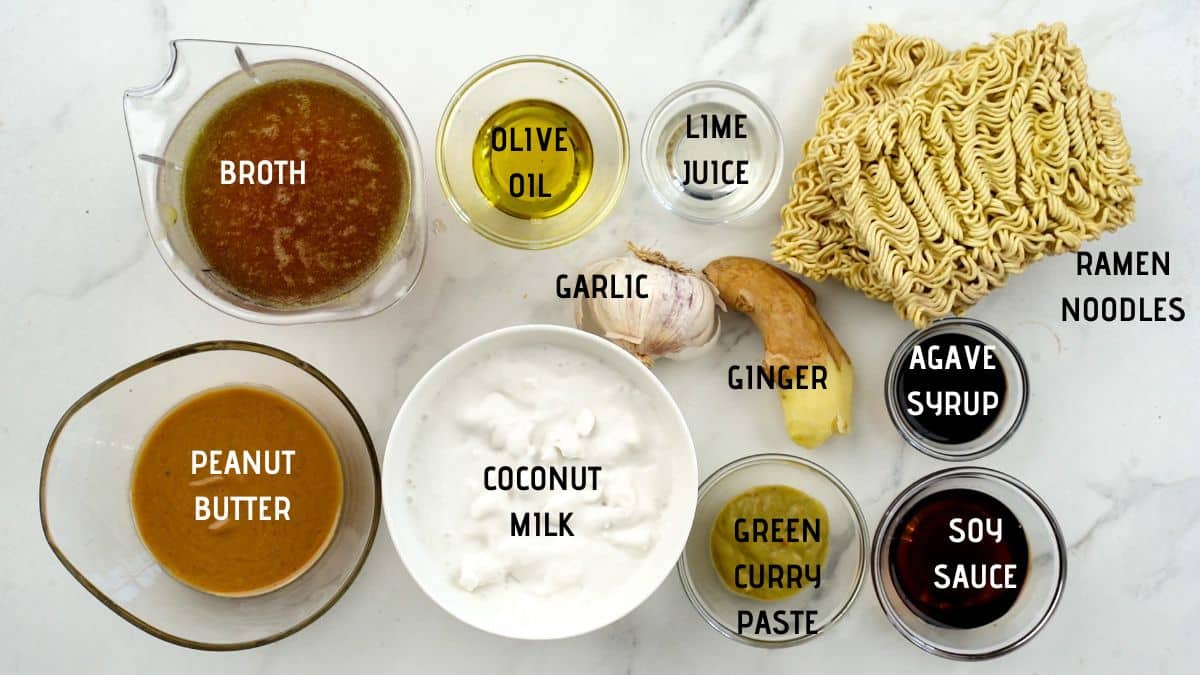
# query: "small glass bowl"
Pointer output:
{"type": "Point", "coordinates": [532, 77]}
{"type": "Point", "coordinates": [163, 121]}
{"type": "Point", "coordinates": [1039, 595]}
{"type": "Point", "coordinates": [88, 521]}
{"type": "Point", "coordinates": [1012, 409]}
{"type": "Point", "coordinates": [842, 574]}
{"type": "Point", "coordinates": [664, 149]}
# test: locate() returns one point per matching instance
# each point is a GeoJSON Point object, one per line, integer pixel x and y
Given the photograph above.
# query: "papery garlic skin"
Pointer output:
{"type": "Point", "coordinates": [678, 320]}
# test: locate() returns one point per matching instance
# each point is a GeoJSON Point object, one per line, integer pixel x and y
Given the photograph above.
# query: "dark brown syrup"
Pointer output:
{"type": "Point", "coordinates": [958, 401]}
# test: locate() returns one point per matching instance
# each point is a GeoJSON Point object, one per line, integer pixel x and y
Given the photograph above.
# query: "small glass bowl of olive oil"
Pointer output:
{"type": "Point", "coordinates": [537, 170]}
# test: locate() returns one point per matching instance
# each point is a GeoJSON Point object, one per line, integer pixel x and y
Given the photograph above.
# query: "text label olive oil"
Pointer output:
{"type": "Point", "coordinates": [532, 159]}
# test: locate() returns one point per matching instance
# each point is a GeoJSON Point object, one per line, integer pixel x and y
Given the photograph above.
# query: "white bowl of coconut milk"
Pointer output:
{"type": "Point", "coordinates": [539, 482]}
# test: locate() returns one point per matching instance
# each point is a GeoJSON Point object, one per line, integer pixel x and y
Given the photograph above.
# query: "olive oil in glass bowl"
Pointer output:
{"type": "Point", "coordinates": [533, 159]}
{"type": "Point", "coordinates": [532, 152]}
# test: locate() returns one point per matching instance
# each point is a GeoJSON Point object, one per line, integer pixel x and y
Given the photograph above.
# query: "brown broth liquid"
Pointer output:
{"type": "Point", "coordinates": [245, 556]}
{"type": "Point", "coordinates": [297, 245]}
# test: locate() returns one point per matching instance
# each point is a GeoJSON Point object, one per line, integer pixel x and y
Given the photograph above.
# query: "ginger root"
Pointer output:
{"type": "Point", "coordinates": [794, 334]}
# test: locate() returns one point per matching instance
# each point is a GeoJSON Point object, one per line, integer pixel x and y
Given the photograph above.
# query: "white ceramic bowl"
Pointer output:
{"type": "Point", "coordinates": [553, 623]}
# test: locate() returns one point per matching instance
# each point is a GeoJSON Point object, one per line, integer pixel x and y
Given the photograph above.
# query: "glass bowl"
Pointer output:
{"type": "Point", "coordinates": [1012, 409]}
{"type": "Point", "coordinates": [665, 147]}
{"type": "Point", "coordinates": [88, 522]}
{"type": "Point", "coordinates": [1039, 594]}
{"type": "Point", "coordinates": [163, 121]}
{"type": "Point", "coordinates": [532, 78]}
{"type": "Point", "coordinates": [842, 573]}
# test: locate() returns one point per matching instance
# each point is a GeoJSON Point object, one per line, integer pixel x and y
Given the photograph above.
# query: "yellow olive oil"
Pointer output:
{"type": "Point", "coordinates": [532, 159]}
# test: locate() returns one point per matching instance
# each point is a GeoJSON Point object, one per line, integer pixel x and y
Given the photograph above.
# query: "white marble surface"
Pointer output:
{"type": "Point", "coordinates": [1109, 440]}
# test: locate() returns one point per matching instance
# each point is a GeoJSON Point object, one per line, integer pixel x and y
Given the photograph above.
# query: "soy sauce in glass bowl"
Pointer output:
{"type": "Point", "coordinates": [968, 563]}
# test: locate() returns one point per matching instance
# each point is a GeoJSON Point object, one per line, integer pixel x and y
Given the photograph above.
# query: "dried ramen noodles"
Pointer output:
{"type": "Point", "coordinates": [933, 175]}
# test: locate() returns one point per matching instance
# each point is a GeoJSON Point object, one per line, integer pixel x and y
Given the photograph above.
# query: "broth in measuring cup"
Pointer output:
{"type": "Point", "coordinates": [294, 192]}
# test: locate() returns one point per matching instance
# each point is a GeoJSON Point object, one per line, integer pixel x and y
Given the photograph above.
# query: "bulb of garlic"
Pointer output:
{"type": "Point", "coordinates": [678, 320]}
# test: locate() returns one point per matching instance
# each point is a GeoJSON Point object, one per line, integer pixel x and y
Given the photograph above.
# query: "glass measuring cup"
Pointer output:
{"type": "Point", "coordinates": [164, 120]}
